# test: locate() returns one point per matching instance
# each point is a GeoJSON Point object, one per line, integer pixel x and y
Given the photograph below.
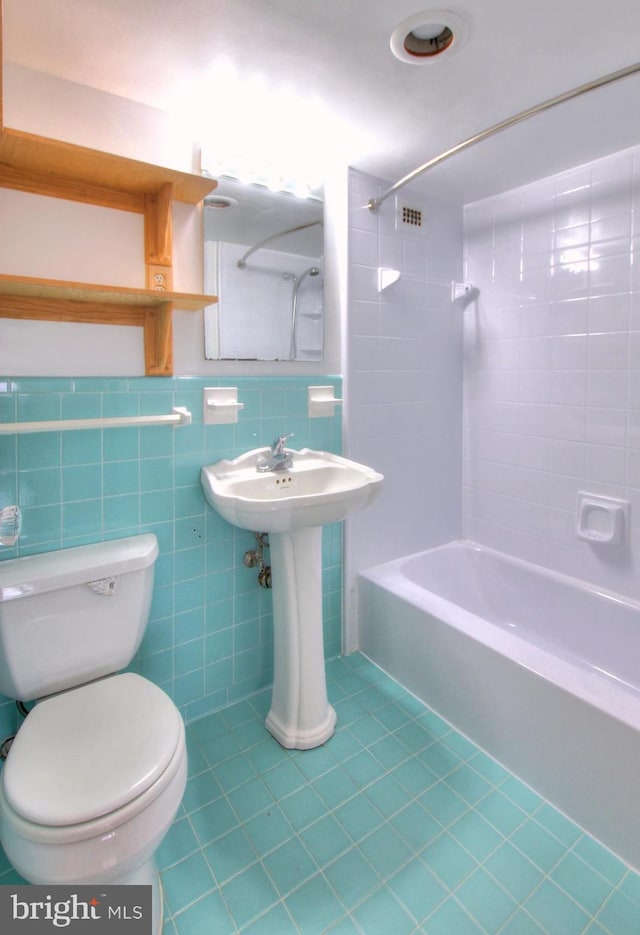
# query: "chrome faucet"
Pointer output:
{"type": "Point", "coordinates": [280, 458]}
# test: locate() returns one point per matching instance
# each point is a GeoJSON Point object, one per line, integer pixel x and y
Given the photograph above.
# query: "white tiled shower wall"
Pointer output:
{"type": "Point", "coordinates": [403, 378]}
{"type": "Point", "coordinates": [552, 366]}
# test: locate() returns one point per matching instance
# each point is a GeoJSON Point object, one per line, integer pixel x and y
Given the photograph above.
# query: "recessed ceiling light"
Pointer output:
{"type": "Point", "coordinates": [425, 37]}
{"type": "Point", "coordinates": [219, 201]}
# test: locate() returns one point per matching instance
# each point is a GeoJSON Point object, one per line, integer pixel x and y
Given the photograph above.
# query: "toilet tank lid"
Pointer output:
{"type": "Point", "coordinates": [49, 571]}
{"type": "Point", "coordinates": [89, 751]}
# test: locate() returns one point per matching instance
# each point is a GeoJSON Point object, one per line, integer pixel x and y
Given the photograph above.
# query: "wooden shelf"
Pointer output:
{"type": "Point", "coordinates": [88, 174]}
{"type": "Point", "coordinates": [78, 292]}
{"type": "Point", "coordinates": [62, 170]}
{"type": "Point", "coordinates": [52, 300]}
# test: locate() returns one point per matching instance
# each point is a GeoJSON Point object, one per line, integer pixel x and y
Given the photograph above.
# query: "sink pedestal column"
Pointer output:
{"type": "Point", "coordinates": [300, 716]}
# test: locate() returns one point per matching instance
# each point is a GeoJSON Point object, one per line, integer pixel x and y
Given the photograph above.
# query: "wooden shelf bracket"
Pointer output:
{"type": "Point", "coordinates": [158, 340]}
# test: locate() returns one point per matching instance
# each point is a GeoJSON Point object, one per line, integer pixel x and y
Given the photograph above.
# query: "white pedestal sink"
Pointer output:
{"type": "Point", "coordinates": [292, 505]}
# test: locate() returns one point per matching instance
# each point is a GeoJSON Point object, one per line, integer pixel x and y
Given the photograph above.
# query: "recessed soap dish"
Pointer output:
{"type": "Point", "coordinates": [602, 520]}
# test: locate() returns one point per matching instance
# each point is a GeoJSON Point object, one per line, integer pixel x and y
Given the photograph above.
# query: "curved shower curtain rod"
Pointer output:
{"type": "Point", "coordinates": [374, 203]}
{"type": "Point", "coordinates": [242, 262]}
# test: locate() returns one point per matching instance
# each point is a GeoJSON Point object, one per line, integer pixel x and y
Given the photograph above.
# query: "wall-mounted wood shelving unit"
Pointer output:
{"type": "Point", "coordinates": [59, 169]}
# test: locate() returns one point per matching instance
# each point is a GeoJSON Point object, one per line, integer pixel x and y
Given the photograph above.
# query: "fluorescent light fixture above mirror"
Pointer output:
{"type": "Point", "coordinates": [261, 132]}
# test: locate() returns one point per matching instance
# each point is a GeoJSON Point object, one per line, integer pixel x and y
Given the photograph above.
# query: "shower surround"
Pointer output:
{"type": "Point", "coordinates": [552, 367]}
{"type": "Point", "coordinates": [403, 360]}
{"type": "Point", "coordinates": [534, 387]}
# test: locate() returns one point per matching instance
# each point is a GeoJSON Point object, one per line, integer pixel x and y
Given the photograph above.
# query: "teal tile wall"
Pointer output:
{"type": "Point", "coordinates": [210, 635]}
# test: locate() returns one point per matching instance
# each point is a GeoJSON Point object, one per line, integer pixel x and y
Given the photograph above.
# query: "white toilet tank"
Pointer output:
{"type": "Point", "coordinates": [72, 616]}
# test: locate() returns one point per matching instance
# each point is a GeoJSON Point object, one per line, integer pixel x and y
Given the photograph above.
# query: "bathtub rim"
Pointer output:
{"type": "Point", "coordinates": [597, 688]}
{"type": "Point", "coordinates": [471, 545]}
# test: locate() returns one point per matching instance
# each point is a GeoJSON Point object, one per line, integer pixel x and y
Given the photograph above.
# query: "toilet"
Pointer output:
{"type": "Point", "coordinates": [97, 771]}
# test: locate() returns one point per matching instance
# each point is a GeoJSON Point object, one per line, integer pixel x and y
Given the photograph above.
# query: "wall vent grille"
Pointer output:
{"type": "Point", "coordinates": [412, 216]}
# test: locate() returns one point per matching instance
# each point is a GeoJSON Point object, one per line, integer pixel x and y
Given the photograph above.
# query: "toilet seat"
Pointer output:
{"type": "Point", "coordinates": [100, 751]}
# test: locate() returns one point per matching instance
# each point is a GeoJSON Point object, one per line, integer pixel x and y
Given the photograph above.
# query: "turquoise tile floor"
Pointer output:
{"type": "Point", "coordinates": [397, 825]}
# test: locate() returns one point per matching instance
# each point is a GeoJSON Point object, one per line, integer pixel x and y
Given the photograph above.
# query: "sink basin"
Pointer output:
{"type": "Point", "coordinates": [319, 488]}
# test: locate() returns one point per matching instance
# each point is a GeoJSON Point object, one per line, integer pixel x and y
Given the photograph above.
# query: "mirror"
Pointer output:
{"type": "Point", "coordinates": [263, 258]}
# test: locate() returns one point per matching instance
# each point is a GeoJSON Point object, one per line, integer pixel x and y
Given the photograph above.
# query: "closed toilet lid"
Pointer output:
{"type": "Point", "coordinates": [91, 750]}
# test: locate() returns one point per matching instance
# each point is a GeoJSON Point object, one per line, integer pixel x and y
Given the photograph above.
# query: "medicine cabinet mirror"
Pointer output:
{"type": "Point", "coordinates": [263, 258]}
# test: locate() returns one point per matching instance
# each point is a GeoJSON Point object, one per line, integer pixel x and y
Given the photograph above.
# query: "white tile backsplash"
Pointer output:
{"type": "Point", "coordinates": [552, 366]}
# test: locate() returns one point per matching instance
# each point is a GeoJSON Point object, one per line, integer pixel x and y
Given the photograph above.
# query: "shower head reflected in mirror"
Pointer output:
{"type": "Point", "coordinates": [297, 282]}
{"type": "Point", "coordinates": [311, 271]}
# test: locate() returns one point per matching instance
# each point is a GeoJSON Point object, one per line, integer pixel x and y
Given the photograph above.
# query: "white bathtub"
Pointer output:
{"type": "Point", "coordinates": [540, 670]}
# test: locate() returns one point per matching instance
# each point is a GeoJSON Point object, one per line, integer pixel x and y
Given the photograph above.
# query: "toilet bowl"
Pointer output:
{"type": "Point", "coordinates": [97, 771]}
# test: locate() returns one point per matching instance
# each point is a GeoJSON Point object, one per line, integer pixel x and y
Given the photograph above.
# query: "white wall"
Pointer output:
{"type": "Point", "coordinates": [403, 378]}
{"type": "Point", "coordinates": [552, 366]}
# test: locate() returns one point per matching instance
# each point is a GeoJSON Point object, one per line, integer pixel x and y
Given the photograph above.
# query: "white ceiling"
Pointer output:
{"type": "Point", "coordinates": [389, 116]}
